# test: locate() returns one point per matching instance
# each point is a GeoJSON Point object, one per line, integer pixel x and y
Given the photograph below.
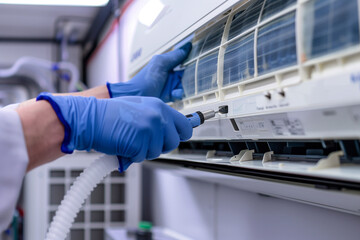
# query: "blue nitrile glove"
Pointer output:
{"type": "Point", "coordinates": [135, 128]}
{"type": "Point", "coordinates": [156, 79]}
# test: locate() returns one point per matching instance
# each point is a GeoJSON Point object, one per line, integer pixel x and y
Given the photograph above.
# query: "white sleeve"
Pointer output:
{"type": "Point", "coordinates": [13, 163]}
{"type": "Point", "coordinates": [10, 107]}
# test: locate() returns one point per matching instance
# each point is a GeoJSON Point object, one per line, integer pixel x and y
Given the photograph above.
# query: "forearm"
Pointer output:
{"type": "Point", "coordinates": [100, 92]}
{"type": "Point", "coordinates": [43, 132]}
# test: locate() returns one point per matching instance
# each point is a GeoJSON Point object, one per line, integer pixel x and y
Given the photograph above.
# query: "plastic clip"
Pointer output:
{"type": "Point", "coordinates": [244, 155]}
{"type": "Point", "coordinates": [210, 154]}
{"type": "Point", "coordinates": [267, 157]}
{"type": "Point", "coordinates": [333, 160]}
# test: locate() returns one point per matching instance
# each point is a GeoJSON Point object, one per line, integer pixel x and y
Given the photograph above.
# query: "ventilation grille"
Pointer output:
{"type": "Point", "coordinates": [306, 151]}
{"type": "Point", "coordinates": [104, 208]}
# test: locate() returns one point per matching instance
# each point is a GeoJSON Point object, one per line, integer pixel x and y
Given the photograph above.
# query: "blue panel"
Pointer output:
{"type": "Point", "coordinates": [274, 6]}
{"type": "Point", "coordinates": [239, 60]}
{"type": "Point", "coordinates": [214, 36]}
{"type": "Point", "coordinates": [246, 19]}
{"type": "Point", "coordinates": [207, 73]}
{"type": "Point", "coordinates": [188, 80]}
{"type": "Point", "coordinates": [276, 46]}
{"type": "Point", "coordinates": [335, 26]}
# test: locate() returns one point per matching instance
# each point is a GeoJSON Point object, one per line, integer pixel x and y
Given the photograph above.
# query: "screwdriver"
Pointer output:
{"type": "Point", "coordinates": [198, 118]}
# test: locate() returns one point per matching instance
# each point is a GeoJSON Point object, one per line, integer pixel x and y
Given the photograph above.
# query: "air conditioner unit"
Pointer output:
{"type": "Point", "coordinates": [289, 73]}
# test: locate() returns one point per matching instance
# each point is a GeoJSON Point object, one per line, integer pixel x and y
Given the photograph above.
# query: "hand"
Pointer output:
{"type": "Point", "coordinates": [156, 79]}
{"type": "Point", "coordinates": [135, 128]}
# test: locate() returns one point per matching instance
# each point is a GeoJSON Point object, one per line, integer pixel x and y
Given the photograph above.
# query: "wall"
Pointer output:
{"type": "Point", "coordinates": [103, 65]}
{"type": "Point", "coordinates": [110, 61]}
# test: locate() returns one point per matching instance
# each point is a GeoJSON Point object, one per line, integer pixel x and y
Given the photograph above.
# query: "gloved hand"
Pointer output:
{"type": "Point", "coordinates": [135, 128]}
{"type": "Point", "coordinates": [156, 79]}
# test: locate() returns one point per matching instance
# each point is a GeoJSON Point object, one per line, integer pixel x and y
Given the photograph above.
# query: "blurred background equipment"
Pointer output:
{"type": "Point", "coordinates": [46, 47]}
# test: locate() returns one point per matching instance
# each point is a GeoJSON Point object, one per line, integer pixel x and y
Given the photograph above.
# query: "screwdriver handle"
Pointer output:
{"type": "Point", "coordinates": [196, 119]}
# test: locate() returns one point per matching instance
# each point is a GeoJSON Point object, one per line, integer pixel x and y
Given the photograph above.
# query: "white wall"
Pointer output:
{"type": "Point", "coordinates": [103, 66]}
{"type": "Point", "coordinates": [205, 210]}
{"type": "Point", "coordinates": [111, 60]}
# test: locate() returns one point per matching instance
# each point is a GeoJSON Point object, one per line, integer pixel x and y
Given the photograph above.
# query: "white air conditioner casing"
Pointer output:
{"type": "Point", "coordinates": [289, 74]}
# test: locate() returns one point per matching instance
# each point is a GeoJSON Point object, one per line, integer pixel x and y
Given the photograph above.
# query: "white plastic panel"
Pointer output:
{"type": "Point", "coordinates": [207, 205]}
{"type": "Point", "coordinates": [253, 217]}
{"type": "Point", "coordinates": [313, 105]}
{"type": "Point", "coordinates": [177, 21]}
{"type": "Point", "coordinates": [177, 209]}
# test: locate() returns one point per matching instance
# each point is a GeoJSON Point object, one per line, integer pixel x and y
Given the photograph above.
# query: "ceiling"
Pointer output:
{"type": "Point", "coordinates": [40, 22]}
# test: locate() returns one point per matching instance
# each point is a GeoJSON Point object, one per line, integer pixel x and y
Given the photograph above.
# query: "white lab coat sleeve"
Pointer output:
{"type": "Point", "coordinates": [13, 163]}
{"type": "Point", "coordinates": [10, 107]}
